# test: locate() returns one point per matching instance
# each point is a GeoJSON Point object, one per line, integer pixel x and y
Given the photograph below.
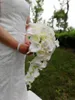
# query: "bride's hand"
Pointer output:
{"type": "Point", "coordinates": [28, 43]}
{"type": "Point", "coordinates": [24, 48]}
{"type": "Point", "coordinates": [27, 40]}
{"type": "Point", "coordinates": [26, 37]}
{"type": "Point", "coordinates": [27, 23]}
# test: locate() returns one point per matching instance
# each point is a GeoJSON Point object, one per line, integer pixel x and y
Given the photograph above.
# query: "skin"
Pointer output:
{"type": "Point", "coordinates": [10, 41]}
{"type": "Point", "coordinates": [26, 37]}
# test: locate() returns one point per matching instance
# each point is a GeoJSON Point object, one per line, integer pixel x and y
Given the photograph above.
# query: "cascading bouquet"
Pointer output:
{"type": "Point", "coordinates": [43, 44]}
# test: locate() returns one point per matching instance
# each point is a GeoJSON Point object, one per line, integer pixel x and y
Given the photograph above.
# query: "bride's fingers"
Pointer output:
{"type": "Point", "coordinates": [27, 26]}
{"type": "Point", "coordinates": [28, 20]}
{"type": "Point", "coordinates": [28, 43]}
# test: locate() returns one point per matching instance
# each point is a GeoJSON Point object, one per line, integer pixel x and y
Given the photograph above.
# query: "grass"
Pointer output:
{"type": "Point", "coordinates": [57, 81]}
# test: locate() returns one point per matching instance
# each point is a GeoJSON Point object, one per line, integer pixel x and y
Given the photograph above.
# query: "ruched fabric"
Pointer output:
{"type": "Point", "coordinates": [13, 15]}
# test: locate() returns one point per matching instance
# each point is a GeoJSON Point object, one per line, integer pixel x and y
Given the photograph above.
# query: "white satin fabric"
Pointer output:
{"type": "Point", "coordinates": [13, 15]}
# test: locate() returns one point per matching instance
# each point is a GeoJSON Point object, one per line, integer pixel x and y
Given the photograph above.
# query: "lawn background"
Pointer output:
{"type": "Point", "coordinates": [57, 80]}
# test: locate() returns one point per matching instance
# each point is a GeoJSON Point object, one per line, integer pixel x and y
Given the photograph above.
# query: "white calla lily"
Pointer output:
{"type": "Point", "coordinates": [34, 47]}
{"type": "Point", "coordinates": [43, 43]}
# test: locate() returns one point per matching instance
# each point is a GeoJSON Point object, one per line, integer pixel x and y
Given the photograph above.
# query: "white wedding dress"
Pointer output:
{"type": "Point", "coordinates": [13, 14]}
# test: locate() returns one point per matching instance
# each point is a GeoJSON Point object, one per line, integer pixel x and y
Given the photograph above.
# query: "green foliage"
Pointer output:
{"type": "Point", "coordinates": [61, 18]}
{"type": "Point", "coordinates": [61, 15]}
{"type": "Point", "coordinates": [57, 81]}
{"type": "Point", "coordinates": [67, 39]}
{"type": "Point", "coordinates": [37, 11]}
{"type": "Point", "coordinates": [71, 29]}
{"type": "Point", "coordinates": [50, 22]}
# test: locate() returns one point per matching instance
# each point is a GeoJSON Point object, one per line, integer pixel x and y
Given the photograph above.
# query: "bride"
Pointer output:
{"type": "Point", "coordinates": [13, 47]}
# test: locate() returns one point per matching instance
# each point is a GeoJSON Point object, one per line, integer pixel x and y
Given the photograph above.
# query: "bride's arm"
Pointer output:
{"type": "Point", "coordinates": [10, 41]}
{"type": "Point", "coordinates": [26, 27]}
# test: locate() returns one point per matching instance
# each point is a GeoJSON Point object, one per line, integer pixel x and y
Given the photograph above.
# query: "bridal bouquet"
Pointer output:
{"type": "Point", "coordinates": [43, 44]}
